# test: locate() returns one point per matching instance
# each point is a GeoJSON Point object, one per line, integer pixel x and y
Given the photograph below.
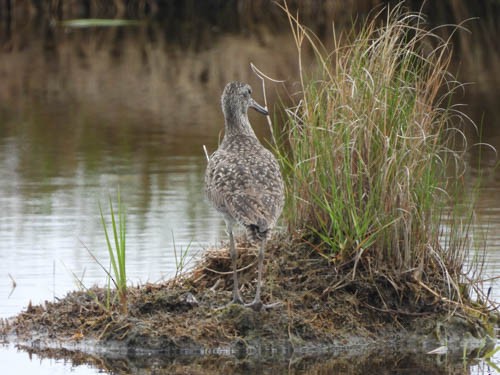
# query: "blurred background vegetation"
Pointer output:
{"type": "Point", "coordinates": [196, 26]}
{"type": "Point", "coordinates": [166, 73]}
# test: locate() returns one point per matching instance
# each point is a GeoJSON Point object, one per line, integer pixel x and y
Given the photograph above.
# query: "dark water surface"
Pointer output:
{"type": "Point", "coordinates": [87, 112]}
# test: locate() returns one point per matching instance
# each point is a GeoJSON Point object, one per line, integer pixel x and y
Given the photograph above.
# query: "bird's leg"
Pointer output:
{"type": "Point", "coordinates": [257, 304]}
{"type": "Point", "coordinates": [259, 271]}
{"type": "Point", "coordinates": [234, 256]}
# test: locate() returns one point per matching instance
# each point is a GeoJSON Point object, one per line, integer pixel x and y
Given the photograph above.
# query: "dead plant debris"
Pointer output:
{"type": "Point", "coordinates": [322, 304]}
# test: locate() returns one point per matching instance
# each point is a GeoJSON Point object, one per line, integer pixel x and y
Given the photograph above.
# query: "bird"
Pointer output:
{"type": "Point", "coordinates": [243, 182]}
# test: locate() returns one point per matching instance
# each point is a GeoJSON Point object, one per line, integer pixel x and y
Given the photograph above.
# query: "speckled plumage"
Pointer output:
{"type": "Point", "coordinates": [243, 180]}
{"type": "Point", "coordinates": [244, 183]}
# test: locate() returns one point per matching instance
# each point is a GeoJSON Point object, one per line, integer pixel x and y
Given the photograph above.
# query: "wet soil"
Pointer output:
{"type": "Point", "coordinates": [324, 309]}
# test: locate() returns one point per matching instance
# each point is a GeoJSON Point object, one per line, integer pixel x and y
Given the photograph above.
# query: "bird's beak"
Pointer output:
{"type": "Point", "coordinates": [258, 107]}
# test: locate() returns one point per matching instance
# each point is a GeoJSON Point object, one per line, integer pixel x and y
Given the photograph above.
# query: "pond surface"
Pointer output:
{"type": "Point", "coordinates": [85, 113]}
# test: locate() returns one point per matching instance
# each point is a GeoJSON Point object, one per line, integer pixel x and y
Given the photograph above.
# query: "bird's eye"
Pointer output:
{"type": "Point", "coordinates": [249, 91]}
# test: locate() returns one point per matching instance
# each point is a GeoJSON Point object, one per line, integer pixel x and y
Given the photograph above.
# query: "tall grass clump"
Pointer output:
{"type": "Point", "coordinates": [367, 151]}
{"type": "Point", "coordinates": [117, 250]}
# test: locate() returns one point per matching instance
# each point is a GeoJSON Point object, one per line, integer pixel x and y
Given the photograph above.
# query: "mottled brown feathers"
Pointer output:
{"type": "Point", "coordinates": [243, 179]}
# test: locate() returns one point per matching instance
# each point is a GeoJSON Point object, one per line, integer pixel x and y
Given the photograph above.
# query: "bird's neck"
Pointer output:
{"type": "Point", "coordinates": [238, 125]}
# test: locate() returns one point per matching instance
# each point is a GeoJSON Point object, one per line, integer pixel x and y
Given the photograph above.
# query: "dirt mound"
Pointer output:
{"type": "Point", "coordinates": [322, 306]}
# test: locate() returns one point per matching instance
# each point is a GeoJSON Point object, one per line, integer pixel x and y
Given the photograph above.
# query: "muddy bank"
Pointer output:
{"type": "Point", "coordinates": [322, 312]}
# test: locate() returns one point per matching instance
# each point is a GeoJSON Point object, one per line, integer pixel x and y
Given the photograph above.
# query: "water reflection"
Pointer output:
{"type": "Point", "coordinates": [22, 362]}
{"type": "Point", "coordinates": [86, 112]}
{"type": "Point", "coordinates": [47, 228]}
{"type": "Point", "coordinates": [376, 362]}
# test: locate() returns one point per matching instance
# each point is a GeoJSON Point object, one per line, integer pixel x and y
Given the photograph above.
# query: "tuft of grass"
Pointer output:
{"type": "Point", "coordinates": [368, 151]}
{"type": "Point", "coordinates": [181, 259]}
{"type": "Point", "coordinates": [117, 250]}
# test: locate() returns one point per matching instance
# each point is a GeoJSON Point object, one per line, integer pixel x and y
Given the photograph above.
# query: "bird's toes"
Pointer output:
{"type": "Point", "coordinates": [255, 305]}
{"type": "Point", "coordinates": [273, 305]}
{"type": "Point", "coordinates": [237, 301]}
{"type": "Point", "coordinates": [258, 305]}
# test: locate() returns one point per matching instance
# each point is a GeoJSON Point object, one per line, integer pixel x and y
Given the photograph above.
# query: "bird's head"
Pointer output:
{"type": "Point", "coordinates": [237, 98]}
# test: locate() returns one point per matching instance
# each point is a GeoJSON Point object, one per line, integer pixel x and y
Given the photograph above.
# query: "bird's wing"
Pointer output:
{"type": "Point", "coordinates": [249, 191]}
{"type": "Point", "coordinates": [253, 208]}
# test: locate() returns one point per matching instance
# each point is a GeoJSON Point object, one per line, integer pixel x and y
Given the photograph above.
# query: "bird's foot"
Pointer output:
{"type": "Point", "coordinates": [257, 305]}
{"type": "Point", "coordinates": [237, 300]}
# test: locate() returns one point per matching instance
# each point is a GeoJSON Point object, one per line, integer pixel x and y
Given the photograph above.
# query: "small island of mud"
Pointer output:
{"type": "Point", "coordinates": [324, 308]}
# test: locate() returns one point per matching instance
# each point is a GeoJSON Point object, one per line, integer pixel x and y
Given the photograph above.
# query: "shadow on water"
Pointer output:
{"type": "Point", "coordinates": [80, 105]}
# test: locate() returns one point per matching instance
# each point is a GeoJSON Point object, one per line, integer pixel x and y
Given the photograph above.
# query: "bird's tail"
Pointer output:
{"type": "Point", "coordinates": [257, 233]}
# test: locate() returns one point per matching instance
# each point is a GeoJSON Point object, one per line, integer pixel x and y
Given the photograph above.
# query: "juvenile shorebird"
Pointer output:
{"type": "Point", "coordinates": [243, 181]}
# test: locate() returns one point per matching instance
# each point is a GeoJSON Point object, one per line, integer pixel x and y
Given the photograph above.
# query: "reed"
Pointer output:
{"type": "Point", "coordinates": [368, 151]}
{"type": "Point", "coordinates": [117, 250]}
{"type": "Point", "coordinates": [181, 259]}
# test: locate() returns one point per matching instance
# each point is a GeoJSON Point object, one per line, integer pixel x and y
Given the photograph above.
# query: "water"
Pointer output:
{"type": "Point", "coordinates": [55, 231]}
{"type": "Point", "coordinates": [21, 362]}
{"type": "Point", "coordinates": [85, 113]}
